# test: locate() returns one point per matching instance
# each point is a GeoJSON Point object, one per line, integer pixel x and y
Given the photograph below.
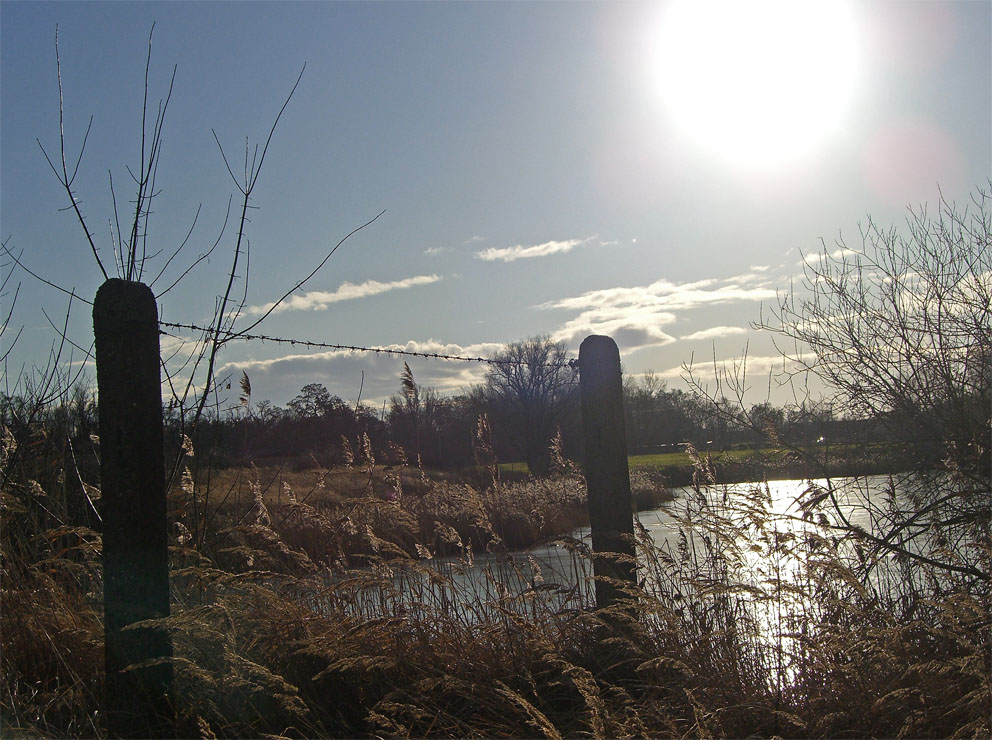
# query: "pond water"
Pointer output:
{"type": "Point", "coordinates": [754, 536]}
{"type": "Point", "coordinates": [761, 560]}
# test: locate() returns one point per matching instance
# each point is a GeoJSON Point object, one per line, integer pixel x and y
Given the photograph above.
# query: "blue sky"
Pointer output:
{"type": "Point", "coordinates": [537, 175]}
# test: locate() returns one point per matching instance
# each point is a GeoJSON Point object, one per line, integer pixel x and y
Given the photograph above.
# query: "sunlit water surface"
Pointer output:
{"type": "Point", "coordinates": [752, 541]}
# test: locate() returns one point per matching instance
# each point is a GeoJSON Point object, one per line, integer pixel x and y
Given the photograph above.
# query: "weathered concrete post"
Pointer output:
{"type": "Point", "coordinates": [607, 477]}
{"type": "Point", "coordinates": [135, 535]}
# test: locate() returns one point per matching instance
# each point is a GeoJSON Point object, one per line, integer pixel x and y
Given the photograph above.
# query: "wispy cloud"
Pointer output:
{"type": "Point", "coordinates": [755, 365]}
{"type": "Point", "coordinates": [670, 296]}
{"type": "Point", "coordinates": [817, 257]}
{"type": "Point", "coordinates": [714, 332]}
{"type": "Point", "coordinates": [438, 251]}
{"type": "Point", "coordinates": [639, 313]}
{"type": "Point", "coordinates": [318, 300]}
{"type": "Point", "coordinates": [522, 252]}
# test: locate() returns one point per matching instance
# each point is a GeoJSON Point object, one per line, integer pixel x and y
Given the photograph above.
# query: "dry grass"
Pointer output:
{"type": "Point", "coordinates": [346, 515]}
{"type": "Point", "coordinates": [322, 607]}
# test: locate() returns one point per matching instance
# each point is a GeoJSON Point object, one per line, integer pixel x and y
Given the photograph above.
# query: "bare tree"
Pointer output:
{"type": "Point", "coordinates": [900, 329]}
{"type": "Point", "coordinates": [190, 373]}
{"type": "Point", "coordinates": [529, 390]}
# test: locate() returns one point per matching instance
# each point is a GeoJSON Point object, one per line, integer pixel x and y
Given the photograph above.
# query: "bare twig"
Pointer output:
{"type": "Point", "coordinates": [205, 255]}
{"type": "Point", "coordinates": [148, 168]}
{"type": "Point", "coordinates": [251, 177]}
{"type": "Point", "coordinates": [36, 276]}
{"type": "Point", "coordinates": [87, 352]}
{"type": "Point", "coordinates": [252, 173]}
{"type": "Point", "coordinates": [182, 244]}
{"type": "Point", "coordinates": [301, 283]}
{"type": "Point", "coordinates": [64, 178]}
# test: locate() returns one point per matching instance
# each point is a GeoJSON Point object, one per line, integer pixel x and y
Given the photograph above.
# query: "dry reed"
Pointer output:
{"type": "Point", "coordinates": [306, 612]}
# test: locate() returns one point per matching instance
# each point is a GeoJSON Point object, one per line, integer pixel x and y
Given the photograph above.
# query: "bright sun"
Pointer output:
{"type": "Point", "coordinates": [758, 83]}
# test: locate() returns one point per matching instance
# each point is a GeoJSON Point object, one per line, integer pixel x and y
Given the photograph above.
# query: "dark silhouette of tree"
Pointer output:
{"type": "Point", "coordinates": [658, 418]}
{"type": "Point", "coordinates": [431, 429]}
{"type": "Point", "coordinates": [900, 328]}
{"type": "Point", "coordinates": [312, 401]}
{"type": "Point", "coordinates": [529, 393]}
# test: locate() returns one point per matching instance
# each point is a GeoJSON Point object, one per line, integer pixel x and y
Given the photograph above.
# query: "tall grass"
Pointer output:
{"type": "Point", "coordinates": [311, 612]}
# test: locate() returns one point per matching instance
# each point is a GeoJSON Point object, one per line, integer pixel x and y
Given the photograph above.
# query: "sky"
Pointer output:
{"type": "Point", "coordinates": [652, 171]}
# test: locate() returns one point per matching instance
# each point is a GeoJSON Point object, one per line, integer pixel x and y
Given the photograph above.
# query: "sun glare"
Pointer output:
{"type": "Point", "coordinates": [758, 83]}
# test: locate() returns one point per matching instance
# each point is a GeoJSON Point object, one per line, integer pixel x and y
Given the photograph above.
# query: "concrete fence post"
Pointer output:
{"type": "Point", "coordinates": [607, 477]}
{"type": "Point", "coordinates": [135, 535]}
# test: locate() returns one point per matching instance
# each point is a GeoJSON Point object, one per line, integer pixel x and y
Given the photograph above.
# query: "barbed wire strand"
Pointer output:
{"type": "Point", "coordinates": [352, 348]}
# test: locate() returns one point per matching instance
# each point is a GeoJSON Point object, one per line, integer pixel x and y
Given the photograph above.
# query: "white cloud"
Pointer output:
{"type": "Point", "coordinates": [435, 251]}
{"type": "Point", "coordinates": [815, 257]}
{"type": "Point", "coordinates": [639, 313]}
{"type": "Point", "coordinates": [520, 252]}
{"type": "Point", "coordinates": [756, 366]}
{"type": "Point", "coordinates": [670, 296]}
{"type": "Point", "coordinates": [631, 330]}
{"type": "Point", "coordinates": [714, 332]}
{"type": "Point", "coordinates": [318, 300]}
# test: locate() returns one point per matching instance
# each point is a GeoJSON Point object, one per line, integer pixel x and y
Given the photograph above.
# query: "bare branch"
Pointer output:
{"type": "Point", "coordinates": [64, 178]}
{"type": "Point", "coordinates": [87, 352]}
{"type": "Point", "coordinates": [36, 276]}
{"type": "Point", "coordinates": [203, 256]}
{"type": "Point", "coordinates": [182, 244]}
{"type": "Point", "coordinates": [301, 283]}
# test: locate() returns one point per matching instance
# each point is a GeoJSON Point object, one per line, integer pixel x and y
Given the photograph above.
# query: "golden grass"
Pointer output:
{"type": "Point", "coordinates": [325, 611]}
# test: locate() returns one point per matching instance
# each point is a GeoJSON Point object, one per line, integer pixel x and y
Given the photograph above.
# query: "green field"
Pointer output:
{"type": "Point", "coordinates": [665, 460]}
{"type": "Point", "coordinates": [738, 465]}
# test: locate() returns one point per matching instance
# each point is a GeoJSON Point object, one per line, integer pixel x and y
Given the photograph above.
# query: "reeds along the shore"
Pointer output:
{"type": "Point", "coordinates": [302, 614]}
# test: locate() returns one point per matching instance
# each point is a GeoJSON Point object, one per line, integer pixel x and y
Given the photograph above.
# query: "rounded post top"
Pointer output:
{"type": "Point", "coordinates": [125, 300]}
{"type": "Point", "coordinates": [597, 347]}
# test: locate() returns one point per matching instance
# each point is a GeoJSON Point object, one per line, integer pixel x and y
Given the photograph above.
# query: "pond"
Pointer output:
{"type": "Point", "coordinates": [764, 571]}
{"type": "Point", "coordinates": [755, 538]}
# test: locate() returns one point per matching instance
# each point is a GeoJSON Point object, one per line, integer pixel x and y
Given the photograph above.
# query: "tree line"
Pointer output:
{"type": "Point", "coordinates": [526, 400]}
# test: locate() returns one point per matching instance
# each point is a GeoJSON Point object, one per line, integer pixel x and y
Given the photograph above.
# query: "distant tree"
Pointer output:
{"type": "Point", "coordinates": [313, 400]}
{"type": "Point", "coordinates": [657, 417]}
{"type": "Point", "coordinates": [266, 412]}
{"type": "Point", "coordinates": [768, 423]}
{"type": "Point", "coordinates": [813, 422]}
{"type": "Point", "coordinates": [529, 392]}
{"type": "Point", "coordinates": [433, 429]}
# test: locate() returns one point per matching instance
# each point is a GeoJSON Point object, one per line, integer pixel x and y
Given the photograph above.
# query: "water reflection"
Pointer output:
{"type": "Point", "coordinates": [757, 540]}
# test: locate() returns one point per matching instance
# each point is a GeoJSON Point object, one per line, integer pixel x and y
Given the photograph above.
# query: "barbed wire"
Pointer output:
{"type": "Point", "coordinates": [229, 335]}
